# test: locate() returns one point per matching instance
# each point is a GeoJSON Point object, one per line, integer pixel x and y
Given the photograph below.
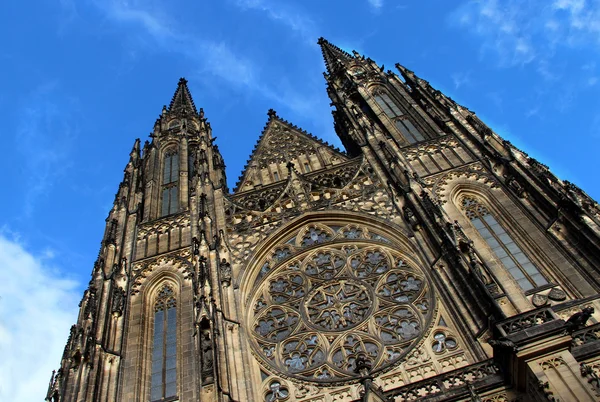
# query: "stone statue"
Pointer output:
{"type": "Point", "coordinates": [225, 270]}
{"type": "Point", "coordinates": [206, 347]}
{"type": "Point", "coordinates": [578, 320]}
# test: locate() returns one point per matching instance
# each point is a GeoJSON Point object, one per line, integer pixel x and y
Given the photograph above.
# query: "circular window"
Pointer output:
{"type": "Point", "coordinates": [317, 309]}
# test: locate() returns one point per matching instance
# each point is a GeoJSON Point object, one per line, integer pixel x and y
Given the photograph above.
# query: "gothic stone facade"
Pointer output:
{"type": "Point", "coordinates": [430, 261]}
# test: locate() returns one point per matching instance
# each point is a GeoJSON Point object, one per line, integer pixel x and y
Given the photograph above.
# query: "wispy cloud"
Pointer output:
{"type": "Point", "coordinates": [45, 133]}
{"type": "Point", "coordinates": [520, 32]}
{"type": "Point", "coordinates": [36, 310]}
{"type": "Point", "coordinates": [501, 27]}
{"type": "Point", "coordinates": [376, 4]}
{"type": "Point", "coordinates": [296, 19]}
{"type": "Point", "coordinates": [215, 58]}
{"type": "Point", "coordinates": [461, 79]}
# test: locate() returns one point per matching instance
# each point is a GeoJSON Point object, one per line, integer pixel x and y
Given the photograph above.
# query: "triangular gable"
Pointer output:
{"type": "Point", "coordinates": [282, 142]}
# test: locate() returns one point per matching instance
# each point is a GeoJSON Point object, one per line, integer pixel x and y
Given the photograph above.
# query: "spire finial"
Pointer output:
{"type": "Point", "coordinates": [333, 55]}
{"type": "Point", "coordinates": [182, 99]}
{"type": "Point", "coordinates": [272, 114]}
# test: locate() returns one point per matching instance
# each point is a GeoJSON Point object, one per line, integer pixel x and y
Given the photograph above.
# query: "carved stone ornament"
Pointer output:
{"type": "Point", "coordinates": [225, 271]}
{"type": "Point", "coordinates": [313, 314]}
{"type": "Point", "coordinates": [579, 320]}
{"type": "Point", "coordinates": [557, 294]}
{"type": "Point", "coordinates": [539, 300]}
{"type": "Point", "coordinates": [118, 302]}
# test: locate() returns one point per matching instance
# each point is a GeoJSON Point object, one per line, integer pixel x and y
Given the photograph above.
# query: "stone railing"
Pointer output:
{"type": "Point", "coordinates": [586, 335]}
{"type": "Point", "coordinates": [453, 381]}
{"type": "Point", "coordinates": [526, 320]}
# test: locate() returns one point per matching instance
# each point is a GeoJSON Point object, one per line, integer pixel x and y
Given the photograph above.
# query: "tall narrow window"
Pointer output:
{"type": "Point", "coordinates": [503, 246]}
{"type": "Point", "coordinates": [405, 126]}
{"type": "Point", "coordinates": [191, 165]}
{"type": "Point", "coordinates": [170, 184]}
{"type": "Point", "coordinates": [164, 350]}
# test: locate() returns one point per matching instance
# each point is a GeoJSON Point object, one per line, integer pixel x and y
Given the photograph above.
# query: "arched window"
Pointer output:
{"type": "Point", "coordinates": [164, 348]}
{"type": "Point", "coordinates": [403, 124]}
{"type": "Point", "coordinates": [170, 184]}
{"type": "Point", "coordinates": [504, 247]}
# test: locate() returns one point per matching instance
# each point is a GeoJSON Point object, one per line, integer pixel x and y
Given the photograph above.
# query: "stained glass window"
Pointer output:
{"type": "Point", "coordinates": [502, 244]}
{"type": "Point", "coordinates": [170, 184]}
{"type": "Point", "coordinates": [324, 305]}
{"type": "Point", "coordinates": [405, 126]}
{"type": "Point", "coordinates": [164, 348]}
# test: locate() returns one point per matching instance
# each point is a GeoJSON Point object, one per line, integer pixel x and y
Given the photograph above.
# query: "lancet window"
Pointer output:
{"type": "Point", "coordinates": [401, 121]}
{"type": "Point", "coordinates": [502, 244]}
{"type": "Point", "coordinates": [170, 184]}
{"type": "Point", "coordinates": [164, 347]}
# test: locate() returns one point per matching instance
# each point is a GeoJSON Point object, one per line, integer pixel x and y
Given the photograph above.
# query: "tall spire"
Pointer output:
{"type": "Point", "coordinates": [333, 55]}
{"type": "Point", "coordinates": [182, 99]}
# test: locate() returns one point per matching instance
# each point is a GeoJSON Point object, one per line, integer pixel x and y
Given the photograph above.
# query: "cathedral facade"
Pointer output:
{"type": "Point", "coordinates": [432, 260]}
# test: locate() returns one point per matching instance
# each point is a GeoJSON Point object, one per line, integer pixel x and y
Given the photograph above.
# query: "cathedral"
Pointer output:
{"type": "Point", "coordinates": [431, 260]}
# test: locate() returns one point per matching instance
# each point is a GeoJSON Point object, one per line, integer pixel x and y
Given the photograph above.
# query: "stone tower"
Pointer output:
{"type": "Point", "coordinates": [432, 259]}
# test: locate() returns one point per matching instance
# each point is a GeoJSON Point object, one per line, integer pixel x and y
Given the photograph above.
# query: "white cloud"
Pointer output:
{"type": "Point", "coordinates": [37, 308]}
{"type": "Point", "coordinates": [214, 57]}
{"type": "Point", "coordinates": [515, 33]}
{"type": "Point", "coordinates": [46, 125]}
{"type": "Point", "coordinates": [461, 78]}
{"type": "Point", "coordinates": [501, 27]}
{"type": "Point", "coordinates": [292, 17]}
{"type": "Point", "coordinates": [376, 4]}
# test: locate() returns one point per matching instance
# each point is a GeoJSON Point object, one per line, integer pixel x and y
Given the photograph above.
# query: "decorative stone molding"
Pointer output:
{"type": "Point", "coordinates": [444, 383]}
{"type": "Point", "coordinates": [163, 225]}
{"type": "Point", "coordinates": [474, 172]}
{"type": "Point", "coordinates": [179, 260]}
{"type": "Point", "coordinates": [526, 320]}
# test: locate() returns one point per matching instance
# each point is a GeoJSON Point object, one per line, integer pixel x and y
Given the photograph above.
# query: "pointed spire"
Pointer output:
{"type": "Point", "coordinates": [333, 55]}
{"type": "Point", "coordinates": [406, 73]}
{"type": "Point", "coordinates": [182, 99]}
{"type": "Point", "coordinates": [135, 151]}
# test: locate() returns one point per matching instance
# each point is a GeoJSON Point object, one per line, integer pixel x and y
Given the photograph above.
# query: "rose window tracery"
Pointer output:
{"type": "Point", "coordinates": [338, 305]}
{"type": "Point", "coordinates": [326, 303]}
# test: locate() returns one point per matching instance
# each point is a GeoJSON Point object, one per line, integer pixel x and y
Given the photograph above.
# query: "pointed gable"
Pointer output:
{"type": "Point", "coordinates": [279, 144]}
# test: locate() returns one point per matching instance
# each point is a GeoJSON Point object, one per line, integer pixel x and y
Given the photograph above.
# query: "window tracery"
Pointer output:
{"type": "Point", "coordinates": [442, 342]}
{"type": "Point", "coordinates": [170, 183]}
{"type": "Point", "coordinates": [277, 392]}
{"type": "Point", "coordinates": [327, 302]}
{"type": "Point", "coordinates": [401, 121]}
{"type": "Point", "coordinates": [502, 244]}
{"type": "Point", "coordinates": [164, 350]}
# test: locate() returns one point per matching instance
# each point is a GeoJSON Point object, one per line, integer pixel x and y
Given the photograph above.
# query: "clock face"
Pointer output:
{"type": "Point", "coordinates": [330, 296]}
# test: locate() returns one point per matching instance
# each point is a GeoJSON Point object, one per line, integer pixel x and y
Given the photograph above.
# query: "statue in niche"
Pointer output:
{"type": "Point", "coordinates": [118, 302]}
{"type": "Point", "coordinates": [203, 271]}
{"type": "Point", "coordinates": [225, 271]}
{"type": "Point", "coordinates": [206, 347]}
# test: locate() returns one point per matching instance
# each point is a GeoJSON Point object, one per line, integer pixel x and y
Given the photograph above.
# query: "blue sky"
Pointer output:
{"type": "Point", "coordinates": [82, 79]}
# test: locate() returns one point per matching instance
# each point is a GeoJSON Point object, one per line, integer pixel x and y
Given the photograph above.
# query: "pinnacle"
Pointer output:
{"type": "Point", "coordinates": [333, 55]}
{"type": "Point", "coordinates": [182, 99]}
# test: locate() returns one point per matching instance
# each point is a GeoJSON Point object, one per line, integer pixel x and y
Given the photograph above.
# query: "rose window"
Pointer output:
{"type": "Point", "coordinates": [338, 305]}
{"type": "Point", "coordinates": [325, 304]}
